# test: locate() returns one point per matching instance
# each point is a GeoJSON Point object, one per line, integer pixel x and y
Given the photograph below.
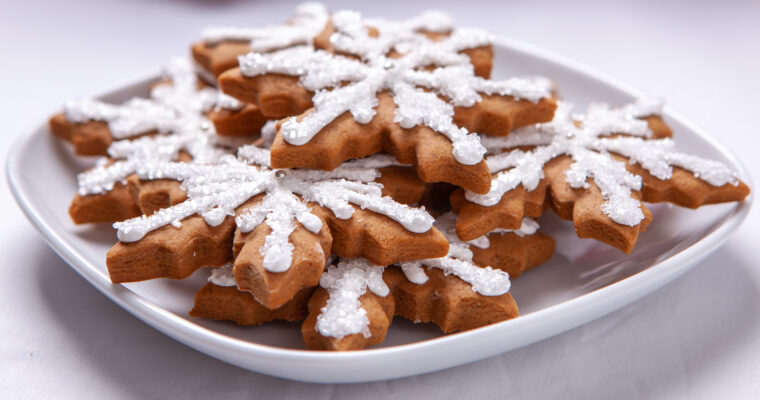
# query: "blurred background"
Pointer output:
{"type": "Point", "coordinates": [696, 338]}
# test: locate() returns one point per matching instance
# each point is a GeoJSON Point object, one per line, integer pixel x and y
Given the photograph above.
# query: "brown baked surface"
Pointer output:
{"type": "Point", "coordinates": [582, 206]}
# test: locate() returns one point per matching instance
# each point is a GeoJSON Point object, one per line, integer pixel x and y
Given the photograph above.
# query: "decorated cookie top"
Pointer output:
{"type": "Point", "coordinates": [347, 281]}
{"type": "Point", "coordinates": [395, 60]}
{"type": "Point", "coordinates": [175, 107]}
{"type": "Point", "coordinates": [484, 280]}
{"type": "Point", "coordinates": [217, 183]}
{"type": "Point", "coordinates": [587, 139]}
{"type": "Point", "coordinates": [216, 190]}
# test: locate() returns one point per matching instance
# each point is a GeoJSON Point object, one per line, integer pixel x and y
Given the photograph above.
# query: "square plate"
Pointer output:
{"type": "Point", "coordinates": [583, 281]}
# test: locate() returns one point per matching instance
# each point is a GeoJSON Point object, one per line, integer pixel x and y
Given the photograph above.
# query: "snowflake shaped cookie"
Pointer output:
{"type": "Point", "coordinates": [356, 300]}
{"type": "Point", "coordinates": [285, 222]}
{"type": "Point", "coordinates": [170, 125]}
{"type": "Point", "coordinates": [598, 168]}
{"type": "Point", "coordinates": [384, 95]}
{"type": "Point", "coordinates": [176, 106]}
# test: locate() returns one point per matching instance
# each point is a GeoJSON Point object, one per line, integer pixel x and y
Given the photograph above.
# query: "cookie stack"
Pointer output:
{"type": "Point", "coordinates": [339, 171]}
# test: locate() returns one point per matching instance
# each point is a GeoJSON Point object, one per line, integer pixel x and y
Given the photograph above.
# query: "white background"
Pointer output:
{"type": "Point", "coordinates": [699, 337]}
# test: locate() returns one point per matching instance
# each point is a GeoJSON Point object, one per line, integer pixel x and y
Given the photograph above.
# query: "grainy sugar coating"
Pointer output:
{"type": "Point", "coordinates": [216, 190]}
{"type": "Point", "coordinates": [356, 300]}
{"type": "Point", "coordinates": [178, 104]}
{"type": "Point", "coordinates": [443, 299]}
{"type": "Point", "coordinates": [285, 220]}
{"type": "Point", "coordinates": [597, 169]}
{"type": "Point", "coordinates": [384, 98]}
{"type": "Point", "coordinates": [144, 176]}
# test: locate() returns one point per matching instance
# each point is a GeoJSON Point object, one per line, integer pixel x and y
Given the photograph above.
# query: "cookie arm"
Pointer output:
{"type": "Point", "coordinates": [277, 96]}
{"type": "Point", "coordinates": [170, 252]}
{"type": "Point", "coordinates": [583, 207]}
{"type": "Point", "coordinates": [514, 254]}
{"type": "Point", "coordinates": [686, 190]}
{"type": "Point", "coordinates": [274, 289]}
{"type": "Point", "coordinates": [381, 240]}
{"type": "Point", "coordinates": [379, 313]}
{"type": "Point", "coordinates": [474, 220]}
{"type": "Point", "coordinates": [499, 115]}
{"type": "Point", "coordinates": [447, 301]}
{"type": "Point", "coordinates": [227, 303]}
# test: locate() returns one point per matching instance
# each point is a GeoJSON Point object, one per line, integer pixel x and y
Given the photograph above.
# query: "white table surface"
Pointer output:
{"type": "Point", "coordinates": [698, 337]}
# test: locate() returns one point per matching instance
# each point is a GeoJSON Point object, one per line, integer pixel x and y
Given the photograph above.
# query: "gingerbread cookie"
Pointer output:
{"type": "Point", "coordinates": [595, 170]}
{"type": "Point", "coordinates": [454, 292]}
{"type": "Point", "coordinates": [356, 300]}
{"type": "Point", "coordinates": [146, 173]}
{"type": "Point", "coordinates": [377, 101]}
{"type": "Point", "coordinates": [221, 300]}
{"type": "Point", "coordinates": [283, 219]}
{"type": "Point", "coordinates": [175, 105]}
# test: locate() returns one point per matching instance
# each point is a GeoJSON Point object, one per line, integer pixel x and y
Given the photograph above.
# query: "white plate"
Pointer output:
{"type": "Point", "coordinates": [583, 281]}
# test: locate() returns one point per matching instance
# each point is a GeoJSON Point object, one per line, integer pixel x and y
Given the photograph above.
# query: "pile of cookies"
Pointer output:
{"type": "Point", "coordinates": [340, 171]}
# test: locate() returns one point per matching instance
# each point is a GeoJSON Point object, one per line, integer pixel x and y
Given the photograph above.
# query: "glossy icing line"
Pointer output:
{"type": "Point", "coordinates": [585, 139]}
{"type": "Point", "coordinates": [215, 191]}
{"type": "Point", "coordinates": [343, 84]}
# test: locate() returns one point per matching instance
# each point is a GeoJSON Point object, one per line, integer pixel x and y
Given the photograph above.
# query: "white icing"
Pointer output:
{"type": "Point", "coordinates": [481, 242]}
{"type": "Point", "coordinates": [582, 138]}
{"type": "Point", "coordinates": [222, 276]}
{"type": "Point", "coordinates": [132, 155]}
{"type": "Point", "coordinates": [134, 117]}
{"type": "Point", "coordinates": [336, 194]}
{"type": "Point", "coordinates": [307, 22]}
{"type": "Point", "coordinates": [226, 102]}
{"type": "Point", "coordinates": [254, 155]}
{"type": "Point", "coordinates": [486, 281]}
{"type": "Point", "coordinates": [379, 160]}
{"type": "Point", "coordinates": [171, 107]}
{"type": "Point", "coordinates": [658, 157]}
{"type": "Point", "coordinates": [342, 84]}
{"type": "Point", "coordinates": [279, 209]}
{"type": "Point", "coordinates": [349, 280]}
{"type": "Point", "coordinates": [346, 282]}
{"type": "Point", "coordinates": [216, 190]}
{"type": "Point", "coordinates": [528, 227]}
{"type": "Point", "coordinates": [414, 273]}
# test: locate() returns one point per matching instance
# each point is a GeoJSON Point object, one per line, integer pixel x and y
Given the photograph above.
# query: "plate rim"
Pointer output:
{"type": "Point", "coordinates": [219, 345]}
